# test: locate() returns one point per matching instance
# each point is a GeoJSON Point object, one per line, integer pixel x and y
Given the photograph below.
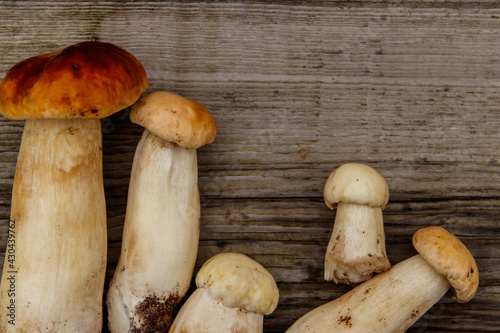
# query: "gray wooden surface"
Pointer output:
{"type": "Point", "coordinates": [411, 88]}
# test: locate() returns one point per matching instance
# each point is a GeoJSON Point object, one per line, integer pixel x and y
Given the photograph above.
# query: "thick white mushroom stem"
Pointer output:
{"type": "Point", "coordinates": [203, 314]}
{"type": "Point", "coordinates": [53, 275]}
{"type": "Point", "coordinates": [389, 302]}
{"type": "Point", "coordinates": [357, 246]}
{"type": "Point", "coordinates": [160, 237]}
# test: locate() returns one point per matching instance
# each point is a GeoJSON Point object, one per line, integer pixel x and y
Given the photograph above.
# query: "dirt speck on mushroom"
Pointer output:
{"type": "Point", "coordinates": [157, 314]}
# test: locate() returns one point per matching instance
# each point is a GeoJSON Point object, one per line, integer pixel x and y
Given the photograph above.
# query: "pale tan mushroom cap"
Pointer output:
{"type": "Point", "coordinates": [449, 257]}
{"type": "Point", "coordinates": [356, 183]}
{"type": "Point", "coordinates": [236, 280]}
{"type": "Point", "coordinates": [175, 118]}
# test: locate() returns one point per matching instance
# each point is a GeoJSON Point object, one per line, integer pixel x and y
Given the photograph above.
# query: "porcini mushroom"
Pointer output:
{"type": "Point", "coordinates": [357, 245]}
{"type": "Point", "coordinates": [58, 202]}
{"type": "Point", "coordinates": [162, 222]}
{"type": "Point", "coordinates": [233, 295]}
{"type": "Point", "coordinates": [394, 300]}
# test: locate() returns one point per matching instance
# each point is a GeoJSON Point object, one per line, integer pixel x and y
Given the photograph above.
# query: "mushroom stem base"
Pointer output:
{"type": "Point", "coordinates": [387, 303]}
{"type": "Point", "coordinates": [58, 239]}
{"type": "Point", "coordinates": [203, 314]}
{"type": "Point", "coordinates": [160, 237]}
{"type": "Point", "coordinates": [357, 246]}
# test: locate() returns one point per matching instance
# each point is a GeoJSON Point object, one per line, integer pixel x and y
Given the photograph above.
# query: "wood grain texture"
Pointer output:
{"type": "Point", "coordinates": [298, 88]}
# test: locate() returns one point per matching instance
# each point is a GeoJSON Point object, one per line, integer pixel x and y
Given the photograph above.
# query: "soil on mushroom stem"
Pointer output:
{"type": "Point", "coordinates": [157, 314]}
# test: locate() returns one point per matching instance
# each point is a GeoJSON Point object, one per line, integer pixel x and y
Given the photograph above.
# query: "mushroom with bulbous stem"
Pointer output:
{"type": "Point", "coordinates": [233, 295]}
{"type": "Point", "coordinates": [58, 202]}
{"type": "Point", "coordinates": [392, 301]}
{"type": "Point", "coordinates": [162, 221]}
{"type": "Point", "coordinates": [357, 245]}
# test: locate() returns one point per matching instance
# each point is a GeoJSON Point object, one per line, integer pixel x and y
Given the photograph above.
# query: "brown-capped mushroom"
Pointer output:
{"type": "Point", "coordinates": [233, 295]}
{"type": "Point", "coordinates": [394, 300]}
{"type": "Point", "coordinates": [58, 202]}
{"type": "Point", "coordinates": [162, 221]}
{"type": "Point", "coordinates": [357, 245]}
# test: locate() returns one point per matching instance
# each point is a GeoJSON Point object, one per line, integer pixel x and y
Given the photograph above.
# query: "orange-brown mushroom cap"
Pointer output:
{"type": "Point", "coordinates": [88, 79]}
{"type": "Point", "coordinates": [449, 257]}
{"type": "Point", "coordinates": [175, 118]}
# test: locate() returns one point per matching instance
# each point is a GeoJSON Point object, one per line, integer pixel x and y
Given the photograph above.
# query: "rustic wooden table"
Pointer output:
{"type": "Point", "coordinates": [411, 88]}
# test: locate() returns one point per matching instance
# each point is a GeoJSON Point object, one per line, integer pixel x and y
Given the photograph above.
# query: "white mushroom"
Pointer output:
{"type": "Point", "coordinates": [392, 301]}
{"type": "Point", "coordinates": [54, 280]}
{"type": "Point", "coordinates": [357, 245]}
{"type": "Point", "coordinates": [233, 295]}
{"type": "Point", "coordinates": [162, 222]}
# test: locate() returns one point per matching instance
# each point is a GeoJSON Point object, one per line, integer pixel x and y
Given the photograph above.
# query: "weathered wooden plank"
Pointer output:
{"type": "Point", "coordinates": [298, 88]}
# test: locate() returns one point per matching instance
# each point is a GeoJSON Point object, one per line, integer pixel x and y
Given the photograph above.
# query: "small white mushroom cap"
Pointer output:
{"type": "Point", "coordinates": [356, 183]}
{"type": "Point", "coordinates": [236, 280]}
